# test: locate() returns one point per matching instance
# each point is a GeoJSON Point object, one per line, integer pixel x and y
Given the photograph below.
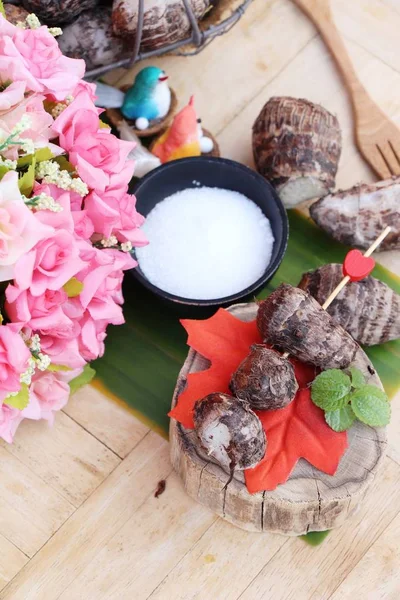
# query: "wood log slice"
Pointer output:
{"type": "Point", "coordinates": [309, 501]}
{"type": "Point", "coordinates": [157, 126]}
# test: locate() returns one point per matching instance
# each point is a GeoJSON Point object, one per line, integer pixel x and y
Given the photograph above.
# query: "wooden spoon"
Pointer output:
{"type": "Point", "coordinates": [377, 137]}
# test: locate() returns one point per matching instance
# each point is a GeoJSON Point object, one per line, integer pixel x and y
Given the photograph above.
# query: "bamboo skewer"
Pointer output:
{"type": "Point", "coordinates": [346, 279]}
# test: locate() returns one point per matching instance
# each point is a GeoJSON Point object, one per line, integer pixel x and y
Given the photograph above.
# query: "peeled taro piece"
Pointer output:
{"type": "Point", "coordinates": [229, 431]}
{"type": "Point", "coordinates": [297, 147]}
{"type": "Point", "coordinates": [294, 322]}
{"type": "Point", "coordinates": [368, 310]}
{"type": "Point", "coordinates": [265, 380]}
{"type": "Point", "coordinates": [357, 216]}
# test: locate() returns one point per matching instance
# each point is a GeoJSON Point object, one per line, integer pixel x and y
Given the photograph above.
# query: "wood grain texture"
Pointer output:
{"type": "Point", "coordinates": [91, 527]}
{"type": "Point", "coordinates": [11, 561]}
{"type": "Point", "coordinates": [109, 422]}
{"type": "Point", "coordinates": [377, 137]}
{"type": "Point", "coordinates": [300, 572]}
{"type": "Point", "coordinates": [309, 501]}
{"type": "Point", "coordinates": [76, 463]}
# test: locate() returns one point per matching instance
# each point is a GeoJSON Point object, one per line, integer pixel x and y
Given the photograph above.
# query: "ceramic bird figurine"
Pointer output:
{"type": "Point", "coordinates": [184, 137]}
{"type": "Point", "coordinates": [145, 161]}
{"type": "Point", "coordinates": [148, 99]}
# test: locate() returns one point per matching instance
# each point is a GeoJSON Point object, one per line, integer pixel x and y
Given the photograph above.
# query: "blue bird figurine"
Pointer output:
{"type": "Point", "coordinates": [148, 99]}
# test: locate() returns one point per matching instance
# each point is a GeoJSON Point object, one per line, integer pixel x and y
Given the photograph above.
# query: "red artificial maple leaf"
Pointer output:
{"type": "Point", "coordinates": [297, 431]}
{"type": "Point", "coordinates": [225, 341]}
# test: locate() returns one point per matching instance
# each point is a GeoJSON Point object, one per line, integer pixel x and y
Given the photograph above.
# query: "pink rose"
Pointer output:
{"type": "Point", "coordinates": [63, 350]}
{"type": "Point", "coordinates": [10, 418]}
{"type": "Point", "coordinates": [49, 265]}
{"type": "Point", "coordinates": [91, 339]}
{"type": "Point", "coordinates": [40, 128]}
{"type": "Point", "coordinates": [96, 153]}
{"type": "Point", "coordinates": [83, 225]}
{"type": "Point", "coordinates": [19, 229]}
{"type": "Point", "coordinates": [62, 219]}
{"type": "Point", "coordinates": [50, 392]}
{"type": "Point", "coordinates": [12, 95]}
{"type": "Point", "coordinates": [14, 356]}
{"type": "Point", "coordinates": [114, 212]}
{"type": "Point", "coordinates": [42, 313]}
{"type": "Point", "coordinates": [33, 56]}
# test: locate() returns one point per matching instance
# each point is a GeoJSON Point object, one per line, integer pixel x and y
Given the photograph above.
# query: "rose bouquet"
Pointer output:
{"type": "Point", "coordinates": [67, 225]}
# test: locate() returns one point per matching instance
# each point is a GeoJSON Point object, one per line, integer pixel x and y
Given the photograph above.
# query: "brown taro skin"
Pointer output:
{"type": "Point", "coordinates": [368, 310]}
{"type": "Point", "coordinates": [264, 379]}
{"type": "Point", "coordinates": [357, 216]}
{"type": "Point", "coordinates": [229, 431]}
{"type": "Point", "coordinates": [294, 322]}
{"type": "Point", "coordinates": [295, 139]}
{"type": "Point", "coordinates": [56, 12]}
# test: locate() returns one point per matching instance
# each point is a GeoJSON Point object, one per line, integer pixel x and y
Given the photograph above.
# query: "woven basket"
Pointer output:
{"type": "Point", "coordinates": [220, 20]}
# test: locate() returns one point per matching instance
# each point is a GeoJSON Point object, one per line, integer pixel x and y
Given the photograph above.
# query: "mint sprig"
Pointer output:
{"type": "Point", "coordinates": [345, 398]}
{"type": "Point", "coordinates": [330, 389]}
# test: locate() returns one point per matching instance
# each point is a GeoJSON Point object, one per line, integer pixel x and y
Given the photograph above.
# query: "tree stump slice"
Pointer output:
{"type": "Point", "coordinates": [309, 501]}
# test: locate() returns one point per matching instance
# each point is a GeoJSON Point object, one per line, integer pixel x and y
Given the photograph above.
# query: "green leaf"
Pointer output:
{"type": "Point", "coordinates": [21, 400]}
{"type": "Point", "coordinates": [371, 406]}
{"type": "Point", "coordinates": [54, 368]}
{"type": "Point", "coordinates": [3, 171]}
{"type": "Point", "coordinates": [340, 419]}
{"type": "Point", "coordinates": [85, 377]}
{"type": "Point", "coordinates": [65, 165]}
{"type": "Point", "coordinates": [27, 180]}
{"type": "Point", "coordinates": [73, 287]}
{"type": "Point", "coordinates": [315, 538]}
{"type": "Point", "coordinates": [357, 377]}
{"type": "Point", "coordinates": [329, 390]}
{"type": "Point", "coordinates": [40, 155]}
{"type": "Point", "coordinates": [2, 11]}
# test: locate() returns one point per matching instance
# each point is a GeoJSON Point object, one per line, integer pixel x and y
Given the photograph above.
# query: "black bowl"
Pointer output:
{"type": "Point", "coordinates": [214, 172]}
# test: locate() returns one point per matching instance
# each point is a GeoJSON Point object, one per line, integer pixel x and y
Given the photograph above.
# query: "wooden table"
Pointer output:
{"type": "Point", "coordinates": [78, 517]}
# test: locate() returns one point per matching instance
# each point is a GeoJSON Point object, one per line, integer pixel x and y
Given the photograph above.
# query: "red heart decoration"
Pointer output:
{"type": "Point", "coordinates": [357, 266]}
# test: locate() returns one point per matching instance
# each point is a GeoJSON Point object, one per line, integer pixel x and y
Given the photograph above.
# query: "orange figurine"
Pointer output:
{"type": "Point", "coordinates": [182, 139]}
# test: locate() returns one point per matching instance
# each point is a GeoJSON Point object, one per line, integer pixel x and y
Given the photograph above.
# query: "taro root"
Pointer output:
{"type": "Point", "coordinates": [297, 146]}
{"type": "Point", "coordinates": [369, 310]}
{"type": "Point", "coordinates": [357, 216]}
{"type": "Point", "coordinates": [293, 321]}
{"type": "Point", "coordinates": [90, 37]}
{"type": "Point", "coordinates": [264, 379]}
{"type": "Point", "coordinates": [54, 12]}
{"type": "Point", "coordinates": [229, 431]}
{"type": "Point", "coordinates": [165, 21]}
{"type": "Point", "coordinates": [14, 14]}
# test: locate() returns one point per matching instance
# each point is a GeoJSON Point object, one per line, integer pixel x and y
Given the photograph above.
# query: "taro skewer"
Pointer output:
{"type": "Point", "coordinates": [354, 269]}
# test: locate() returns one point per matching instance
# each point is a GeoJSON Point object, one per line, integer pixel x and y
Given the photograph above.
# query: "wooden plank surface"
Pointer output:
{"type": "Point", "coordinates": [78, 517]}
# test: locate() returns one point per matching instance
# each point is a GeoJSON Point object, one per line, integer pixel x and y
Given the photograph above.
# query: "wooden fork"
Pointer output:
{"type": "Point", "coordinates": [377, 137]}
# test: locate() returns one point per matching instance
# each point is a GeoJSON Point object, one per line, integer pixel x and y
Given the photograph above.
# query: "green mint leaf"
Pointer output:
{"type": "Point", "coordinates": [371, 406]}
{"type": "Point", "coordinates": [21, 400]}
{"type": "Point", "coordinates": [73, 287]}
{"type": "Point", "coordinates": [85, 377]}
{"type": "Point", "coordinates": [340, 419]}
{"type": "Point", "coordinates": [357, 377]}
{"type": "Point", "coordinates": [329, 390]}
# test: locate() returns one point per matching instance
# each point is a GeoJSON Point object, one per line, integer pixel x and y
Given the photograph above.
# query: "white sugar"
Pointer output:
{"type": "Point", "coordinates": [205, 243]}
